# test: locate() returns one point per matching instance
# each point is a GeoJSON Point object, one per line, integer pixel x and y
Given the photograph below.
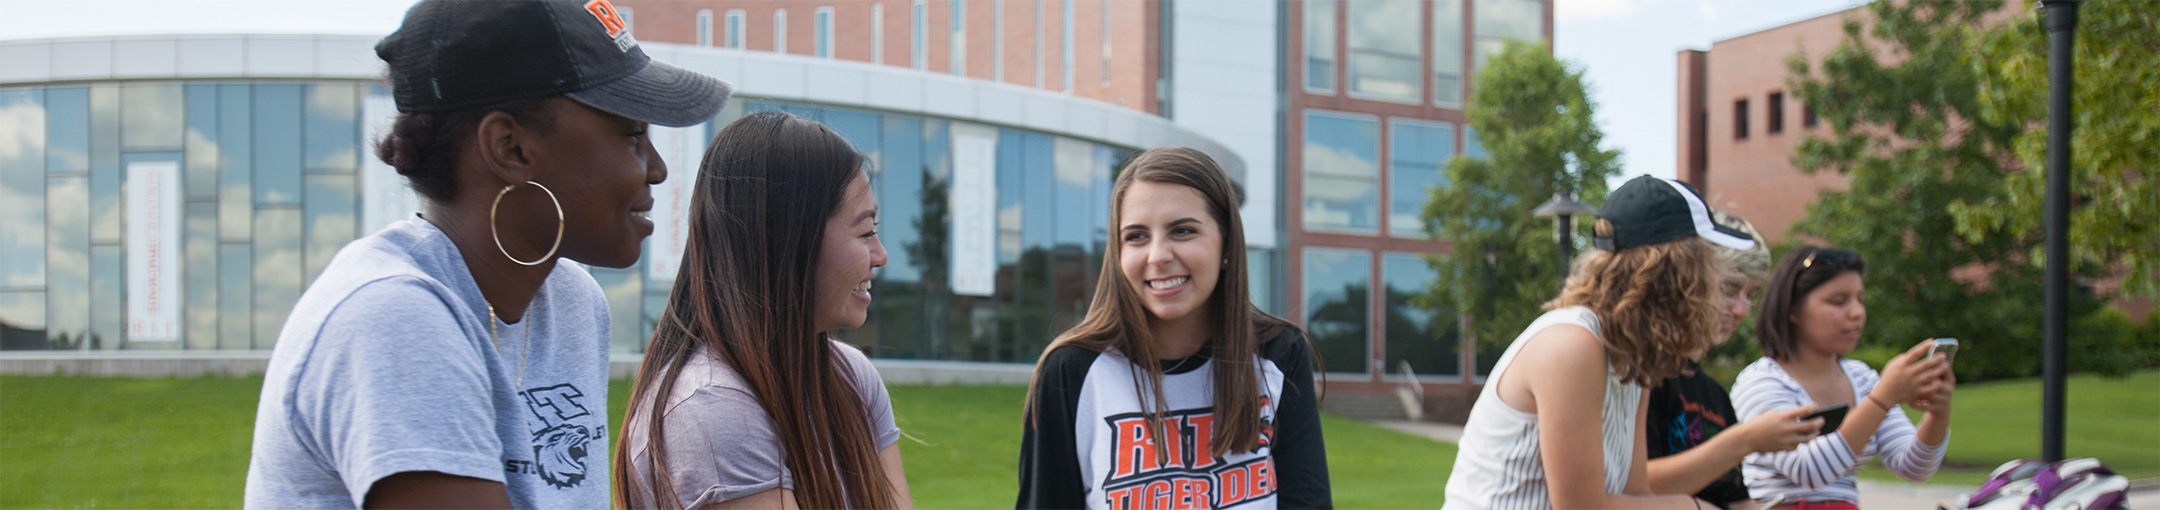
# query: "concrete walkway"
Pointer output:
{"type": "Point", "coordinates": [1873, 494]}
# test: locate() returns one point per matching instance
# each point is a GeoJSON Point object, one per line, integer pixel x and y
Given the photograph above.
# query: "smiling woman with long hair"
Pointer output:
{"type": "Point", "coordinates": [1174, 388]}
{"type": "Point", "coordinates": [745, 400]}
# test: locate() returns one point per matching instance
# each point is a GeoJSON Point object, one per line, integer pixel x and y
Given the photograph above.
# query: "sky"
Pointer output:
{"type": "Point", "coordinates": [1626, 48]}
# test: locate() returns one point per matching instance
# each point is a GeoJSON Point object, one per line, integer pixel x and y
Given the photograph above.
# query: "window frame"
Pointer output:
{"type": "Point", "coordinates": [704, 27]}
{"type": "Point", "coordinates": [1416, 59]}
{"type": "Point", "coordinates": [1304, 297]}
{"type": "Point", "coordinates": [732, 27]}
{"type": "Point", "coordinates": [1333, 47]}
{"type": "Point", "coordinates": [779, 24]}
{"type": "Point", "coordinates": [1454, 150]}
{"type": "Point", "coordinates": [822, 24]}
{"type": "Point", "coordinates": [1304, 174]}
{"type": "Point", "coordinates": [1740, 119]}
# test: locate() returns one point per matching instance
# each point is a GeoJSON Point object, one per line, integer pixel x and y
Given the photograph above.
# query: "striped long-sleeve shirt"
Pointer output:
{"type": "Point", "coordinates": [1822, 469]}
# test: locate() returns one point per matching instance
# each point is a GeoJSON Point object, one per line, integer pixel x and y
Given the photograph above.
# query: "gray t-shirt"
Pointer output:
{"type": "Point", "coordinates": [387, 365]}
{"type": "Point", "coordinates": [720, 443]}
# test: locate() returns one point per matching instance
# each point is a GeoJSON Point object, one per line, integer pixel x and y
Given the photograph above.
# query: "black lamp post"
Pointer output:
{"type": "Point", "coordinates": [1563, 207]}
{"type": "Point", "coordinates": [2061, 26]}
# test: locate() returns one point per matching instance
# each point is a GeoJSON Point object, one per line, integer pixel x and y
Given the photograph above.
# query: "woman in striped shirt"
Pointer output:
{"type": "Point", "coordinates": [1812, 315]}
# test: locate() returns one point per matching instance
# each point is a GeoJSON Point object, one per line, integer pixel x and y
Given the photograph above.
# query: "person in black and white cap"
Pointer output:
{"type": "Point", "coordinates": [451, 360]}
{"type": "Point", "coordinates": [1559, 423]}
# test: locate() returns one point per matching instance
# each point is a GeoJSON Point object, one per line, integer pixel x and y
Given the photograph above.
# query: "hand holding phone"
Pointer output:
{"type": "Point", "coordinates": [1947, 347]}
{"type": "Point", "coordinates": [1832, 415]}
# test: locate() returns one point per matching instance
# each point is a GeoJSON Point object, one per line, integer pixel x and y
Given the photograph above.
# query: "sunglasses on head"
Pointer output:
{"type": "Point", "coordinates": [1828, 257]}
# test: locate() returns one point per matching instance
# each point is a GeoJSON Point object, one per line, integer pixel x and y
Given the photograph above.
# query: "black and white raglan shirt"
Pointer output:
{"type": "Point", "coordinates": [1089, 446]}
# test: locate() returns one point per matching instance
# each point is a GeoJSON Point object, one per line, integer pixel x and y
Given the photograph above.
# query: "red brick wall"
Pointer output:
{"type": "Point", "coordinates": [1130, 81]}
{"type": "Point", "coordinates": [1754, 177]}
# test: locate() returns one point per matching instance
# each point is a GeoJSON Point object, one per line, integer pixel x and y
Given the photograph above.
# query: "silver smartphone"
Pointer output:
{"type": "Point", "coordinates": [1947, 347]}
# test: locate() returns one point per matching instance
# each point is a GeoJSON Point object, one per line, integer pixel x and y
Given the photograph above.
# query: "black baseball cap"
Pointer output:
{"type": "Point", "coordinates": [453, 54]}
{"type": "Point", "coordinates": [1648, 210]}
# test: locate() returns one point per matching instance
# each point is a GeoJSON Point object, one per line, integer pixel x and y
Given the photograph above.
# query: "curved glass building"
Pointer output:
{"type": "Point", "coordinates": [178, 193]}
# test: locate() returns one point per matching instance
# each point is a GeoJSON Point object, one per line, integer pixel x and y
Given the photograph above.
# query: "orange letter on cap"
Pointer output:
{"type": "Point", "coordinates": [608, 17]}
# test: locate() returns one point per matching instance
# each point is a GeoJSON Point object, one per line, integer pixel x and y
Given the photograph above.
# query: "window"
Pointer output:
{"type": "Point", "coordinates": [1417, 160]}
{"type": "Point", "coordinates": [1426, 338]}
{"type": "Point", "coordinates": [734, 29]}
{"type": "Point", "coordinates": [22, 187]}
{"type": "Point", "coordinates": [779, 31]}
{"type": "Point", "coordinates": [1807, 116]}
{"type": "Point", "coordinates": [1501, 20]}
{"type": "Point", "coordinates": [823, 18]}
{"type": "Point", "coordinates": [1472, 147]}
{"type": "Point", "coordinates": [1106, 43]}
{"type": "Point", "coordinates": [1777, 113]}
{"type": "Point", "coordinates": [1342, 170]}
{"type": "Point", "coordinates": [919, 44]}
{"type": "Point", "coordinates": [1320, 45]}
{"type": "Point", "coordinates": [1040, 28]}
{"type": "Point", "coordinates": [1068, 33]}
{"type": "Point", "coordinates": [997, 41]}
{"type": "Point", "coordinates": [1739, 119]}
{"type": "Point", "coordinates": [1384, 49]}
{"type": "Point", "coordinates": [704, 27]}
{"type": "Point", "coordinates": [877, 33]}
{"type": "Point", "coordinates": [956, 44]}
{"type": "Point", "coordinates": [1338, 290]}
{"type": "Point", "coordinates": [1447, 52]}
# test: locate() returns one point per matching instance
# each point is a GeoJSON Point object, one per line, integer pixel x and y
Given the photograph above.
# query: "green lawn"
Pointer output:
{"type": "Point", "coordinates": [2114, 420]}
{"type": "Point", "coordinates": [183, 443]}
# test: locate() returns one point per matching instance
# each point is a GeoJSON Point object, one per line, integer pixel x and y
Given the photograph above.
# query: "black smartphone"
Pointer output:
{"type": "Point", "coordinates": [1832, 416]}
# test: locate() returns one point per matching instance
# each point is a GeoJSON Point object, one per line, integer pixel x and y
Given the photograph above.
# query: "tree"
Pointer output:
{"type": "Point", "coordinates": [1533, 116]}
{"type": "Point", "coordinates": [1916, 140]}
{"type": "Point", "coordinates": [2115, 140]}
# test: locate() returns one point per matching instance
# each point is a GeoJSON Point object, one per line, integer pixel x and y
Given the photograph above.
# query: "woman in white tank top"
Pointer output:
{"type": "Point", "coordinates": [1559, 422]}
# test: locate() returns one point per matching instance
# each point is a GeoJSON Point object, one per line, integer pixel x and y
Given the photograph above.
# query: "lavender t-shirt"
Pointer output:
{"type": "Point", "coordinates": [720, 443]}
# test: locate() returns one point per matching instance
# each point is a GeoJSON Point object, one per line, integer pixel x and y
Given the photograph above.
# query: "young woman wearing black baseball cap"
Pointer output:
{"type": "Point", "coordinates": [450, 360]}
{"type": "Point", "coordinates": [1559, 423]}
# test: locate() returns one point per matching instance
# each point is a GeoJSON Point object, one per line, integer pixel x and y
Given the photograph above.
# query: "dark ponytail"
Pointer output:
{"type": "Point", "coordinates": [424, 146]}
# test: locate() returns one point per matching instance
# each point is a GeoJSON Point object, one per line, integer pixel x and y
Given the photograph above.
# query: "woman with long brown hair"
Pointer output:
{"type": "Point", "coordinates": [1174, 389]}
{"type": "Point", "coordinates": [745, 400]}
{"type": "Point", "coordinates": [1559, 423]}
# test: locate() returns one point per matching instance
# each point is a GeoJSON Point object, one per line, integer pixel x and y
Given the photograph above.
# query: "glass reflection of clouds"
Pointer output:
{"type": "Point", "coordinates": [272, 190]}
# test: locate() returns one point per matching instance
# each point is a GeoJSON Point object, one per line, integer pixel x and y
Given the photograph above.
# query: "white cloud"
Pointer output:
{"type": "Point", "coordinates": [1075, 162]}
{"type": "Point", "coordinates": [1708, 9]}
{"type": "Point", "coordinates": [1595, 10]}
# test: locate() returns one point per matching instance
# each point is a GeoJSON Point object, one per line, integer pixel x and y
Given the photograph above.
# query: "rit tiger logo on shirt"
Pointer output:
{"type": "Point", "coordinates": [1180, 472]}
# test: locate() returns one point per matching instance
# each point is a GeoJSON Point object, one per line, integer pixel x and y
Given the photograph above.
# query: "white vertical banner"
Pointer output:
{"type": "Point", "coordinates": [153, 251]}
{"type": "Point", "coordinates": [973, 199]}
{"type": "Point", "coordinates": [385, 197]}
{"type": "Point", "coordinates": [683, 149]}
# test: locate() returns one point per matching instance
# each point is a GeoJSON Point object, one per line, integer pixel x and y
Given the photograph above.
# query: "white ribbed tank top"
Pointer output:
{"type": "Point", "coordinates": [1498, 466]}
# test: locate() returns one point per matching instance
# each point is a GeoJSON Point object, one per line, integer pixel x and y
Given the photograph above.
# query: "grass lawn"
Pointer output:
{"type": "Point", "coordinates": [2114, 420]}
{"type": "Point", "coordinates": [183, 443]}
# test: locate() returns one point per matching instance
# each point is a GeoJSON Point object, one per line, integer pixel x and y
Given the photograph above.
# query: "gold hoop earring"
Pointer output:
{"type": "Point", "coordinates": [496, 233]}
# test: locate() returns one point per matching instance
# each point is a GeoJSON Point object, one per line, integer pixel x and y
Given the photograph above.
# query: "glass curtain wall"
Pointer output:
{"type": "Point", "coordinates": [1338, 300]}
{"type": "Point", "coordinates": [1429, 340]}
{"type": "Point", "coordinates": [1384, 49]}
{"type": "Point", "coordinates": [171, 214]}
{"type": "Point", "coordinates": [267, 184]}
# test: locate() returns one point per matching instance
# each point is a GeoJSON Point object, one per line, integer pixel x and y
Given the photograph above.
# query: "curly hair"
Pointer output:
{"type": "Point", "coordinates": [1656, 305]}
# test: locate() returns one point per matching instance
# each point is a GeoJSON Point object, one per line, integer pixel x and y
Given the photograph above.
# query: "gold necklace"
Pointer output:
{"type": "Point", "coordinates": [493, 335]}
